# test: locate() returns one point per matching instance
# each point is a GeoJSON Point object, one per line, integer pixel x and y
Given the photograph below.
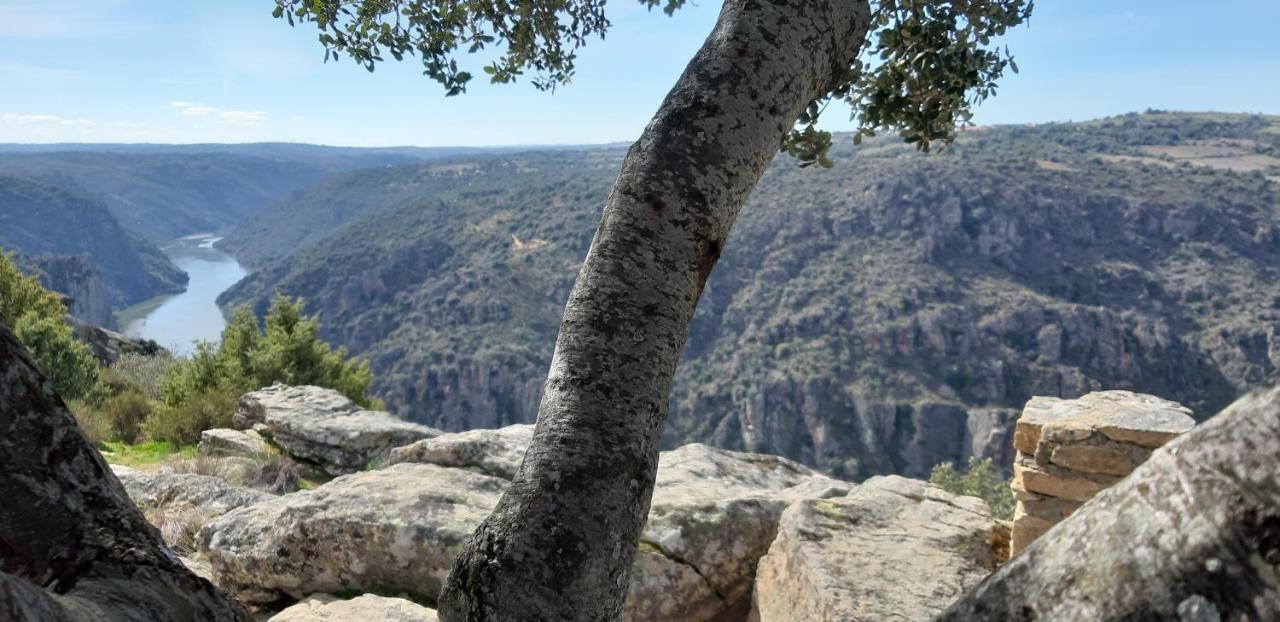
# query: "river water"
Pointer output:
{"type": "Point", "coordinates": [178, 321]}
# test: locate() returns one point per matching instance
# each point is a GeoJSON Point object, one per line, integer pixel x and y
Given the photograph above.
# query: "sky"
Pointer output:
{"type": "Point", "coordinates": [187, 71]}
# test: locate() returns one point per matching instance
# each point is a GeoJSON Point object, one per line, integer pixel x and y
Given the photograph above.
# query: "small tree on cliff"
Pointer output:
{"type": "Point", "coordinates": [561, 541]}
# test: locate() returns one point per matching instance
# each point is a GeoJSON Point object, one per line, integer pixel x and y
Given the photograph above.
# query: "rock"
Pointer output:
{"type": "Point", "coordinates": [1121, 416]}
{"type": "Point", "coordinates": [391, 530]}
{"type": "Point", "coordinates": [1070, 450]}
{"type": "Point", "coordinates": [108, 345]}
{"type": "Point", "coordinates": [492, 452]}
{"type": "Point", "coordinates": [323, 428]}
{"type": "Point", "coordinates": [1189, 535]}
{"type": "Point", "coordinates": [713, 515]}
{"type": "Point", "coordinates": [222, 442]}
{"type": "Point", "coordinates": [212, 495]}
{"type": "Point", "coordinates": [366, 608]}
{"type": "Point", "coordinates": [893, 549]}
{"type": "Point", "coordinates": [396, 530]}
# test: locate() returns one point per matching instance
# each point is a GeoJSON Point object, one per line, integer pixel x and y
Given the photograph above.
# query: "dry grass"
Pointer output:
{"type": "Point", "coordinates": [268, 472]}
{"type": "Point", "coordinates": [179, 526]}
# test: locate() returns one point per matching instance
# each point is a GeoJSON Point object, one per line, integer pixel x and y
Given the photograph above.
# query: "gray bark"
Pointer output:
{"type": "Point", "coordinates": [561, 541]}
{"type": "Point", "coordinates": [73, 547]}
{"type": "Point", "coordinates": [1192, 534]}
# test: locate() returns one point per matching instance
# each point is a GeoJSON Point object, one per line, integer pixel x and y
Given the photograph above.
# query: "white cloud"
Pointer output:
{"type": "Point", "coordinates": [234, 117]}
{"type": "Point", "coordinates": [13, 118]}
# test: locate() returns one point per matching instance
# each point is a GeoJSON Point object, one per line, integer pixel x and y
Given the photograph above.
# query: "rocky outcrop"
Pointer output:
{"type": "Point", "coordinates": [713, 515]}
{"type": "Point", "coordinates": [392, 530]}
{"type": "Point", "coordinates": [492, 452]}
{"type": "Point", "coordinates": [211, 495]}
{"type": "Point", "coordinates": [396, 529]}
{"type": "Point", "coordinates": [225, 442]}
{"type": "Point", "coordinates": [1191, 534]}
{"type": "Point", "coordinates": [892, 549]}
{"type": "Point", "coordinates": [108, 345]}
{"type": "Point", "coordinates": [323, 428]}
{"type": "Point", "coordinates": [78, 281]}
{"type": "Point", "coordinates": [1069, 450]}
{"type": "Point", "coordinates": [366, 608]}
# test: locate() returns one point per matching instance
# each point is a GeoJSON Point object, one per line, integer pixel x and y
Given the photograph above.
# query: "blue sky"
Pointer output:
{"type": "Point", "coordinates": [225, 71]}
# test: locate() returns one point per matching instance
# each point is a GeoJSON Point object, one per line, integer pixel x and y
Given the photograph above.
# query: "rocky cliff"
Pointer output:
{"type": "Point", "coordinates": [878, 317]}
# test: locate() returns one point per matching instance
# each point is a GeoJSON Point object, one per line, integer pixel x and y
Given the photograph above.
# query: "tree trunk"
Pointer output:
{"type": "Point", "coordinates": [73, 547]}
{"type": "Point", "coordinates": [1193, 534]}
{"type": "Point", "coordinates": [560, 543]}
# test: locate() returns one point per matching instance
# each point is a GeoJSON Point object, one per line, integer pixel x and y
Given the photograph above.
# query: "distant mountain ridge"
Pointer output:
{"type": "Point", "coordinates": [881, 316]}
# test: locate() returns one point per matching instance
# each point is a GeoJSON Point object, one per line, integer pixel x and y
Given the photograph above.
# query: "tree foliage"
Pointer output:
{"type": "Point", "coordinates": [927, 63]}
{"type": "Point", "coordinates": [200, 392]}
{"type": "Point", "coordinates": [38, 318]}
{"type": "Point", "coordinates": [980, 480]}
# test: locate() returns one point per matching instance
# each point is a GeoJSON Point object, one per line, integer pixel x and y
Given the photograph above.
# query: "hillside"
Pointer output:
{"type": "Point", "coordinates": [880, 316]}
{"type": "Point", "coordinates": [50, 224]}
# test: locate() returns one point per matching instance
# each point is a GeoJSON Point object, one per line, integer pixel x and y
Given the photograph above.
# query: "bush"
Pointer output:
{"type": "Point", "coordinates": [125, 413]}
{"type": "Point", "coordinates": [181, 423]}
{"type": "Point", "coordinates": [981, 480]}
{"type": "Point", "coordinates": [139, 371]}
{"type": "Point", "coordinates": [91, 421]}
{"type": "Point", "coordinates": [203, 389]}
{"type": "Point", "coordinates": [38, 319]}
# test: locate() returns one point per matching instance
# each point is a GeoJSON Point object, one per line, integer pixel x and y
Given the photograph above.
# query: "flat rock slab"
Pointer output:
{"type": "Point", "coordinates": [893, 549]}
{"type": "Point", "coordinates": [210, 494]}
{"type": "Point", "coordinates": [323, 428]}
{"type": "Point", "coordinates": [1120, 416]}
{"type": "Point", "coordinates": [492, 452]}
{"type": "Point", "coordinates": [225, 442]}
{"type": "Point", "coordinates": [390, 531]}
{"type": "Point", "coordinates": [366, 608]}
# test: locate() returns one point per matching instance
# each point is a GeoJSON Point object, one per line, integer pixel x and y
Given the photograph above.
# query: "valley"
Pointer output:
{"type": "Point", "coordinates": [882, 316]}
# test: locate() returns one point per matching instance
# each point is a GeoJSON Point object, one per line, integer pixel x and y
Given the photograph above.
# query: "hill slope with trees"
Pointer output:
{"type": "Point", "coordinates": [884, 315]}
{"type": "Point", "coordinates": [51, 225]}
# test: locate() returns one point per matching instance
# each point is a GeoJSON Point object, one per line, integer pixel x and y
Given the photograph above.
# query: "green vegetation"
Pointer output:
{"type": "Point", "coordinates": [38, 318]}
{"type": "Point", "coordinates": [201, 392]}
{"type": "Point", "coordinates": [981, 480]}
{"type": "Point", "coordinates": [144, 454]}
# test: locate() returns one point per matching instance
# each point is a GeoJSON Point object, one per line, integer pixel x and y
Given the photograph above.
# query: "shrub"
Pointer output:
{"type": "Point", "coordinates": [38, 319]}
{"type": "Point", "coordinates": [981, 480]}
{"type": "Point", "coordinates": [140, 371]}
{"type": "Point", "coordinates": [192, 390]}
{"type": "Point", "coordinates": [91, 421]}
{"type": "Point", "coordinates": [181, 423]}
{"type": "Point", "coordinates": [125, 413]}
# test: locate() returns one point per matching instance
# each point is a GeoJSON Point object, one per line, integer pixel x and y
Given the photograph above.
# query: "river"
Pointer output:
{"type": "Point", "coordinates": [178, 321]}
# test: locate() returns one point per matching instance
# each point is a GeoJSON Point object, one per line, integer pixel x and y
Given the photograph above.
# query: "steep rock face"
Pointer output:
{"type": "Point", "coordinates": [880, 317]}
{"type": "Point", "coordinates": [79, 281]}
{"type": "Point", "coordinates": [42, 217]}
{"type": "Point", "coordinates": [893, 549]}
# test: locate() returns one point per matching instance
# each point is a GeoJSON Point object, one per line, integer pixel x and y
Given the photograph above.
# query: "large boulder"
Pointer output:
{"type": "Point", "coordinates": [396, 530]}
{"type": "Point", "coordinates": [323, 428]}
{"type": "Point", "coordinates": [893, 549]}
{"type": "Point", "coordinates": [1192, 534]}
{"type": "Point", "coordinates": [366, 608]}
{"type": "Point", "coordinates": [492, 452]}
{"type": "Point", "coordinates": [212, 495]}
{"type": "Point", "coordinates": [391, 530]}
{"type": "Point", "coordinates": [713, 516]}
{"type": "Point", "coordinates": [225, 442]}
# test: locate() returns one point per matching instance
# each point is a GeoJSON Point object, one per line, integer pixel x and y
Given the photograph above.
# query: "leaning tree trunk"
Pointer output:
{"type": "Point", "coordinates": [73, 547]}
{"type": "Point", "coordinates": [560, 543]}
{"type": "Point", "coordinates": [1192, 534]}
